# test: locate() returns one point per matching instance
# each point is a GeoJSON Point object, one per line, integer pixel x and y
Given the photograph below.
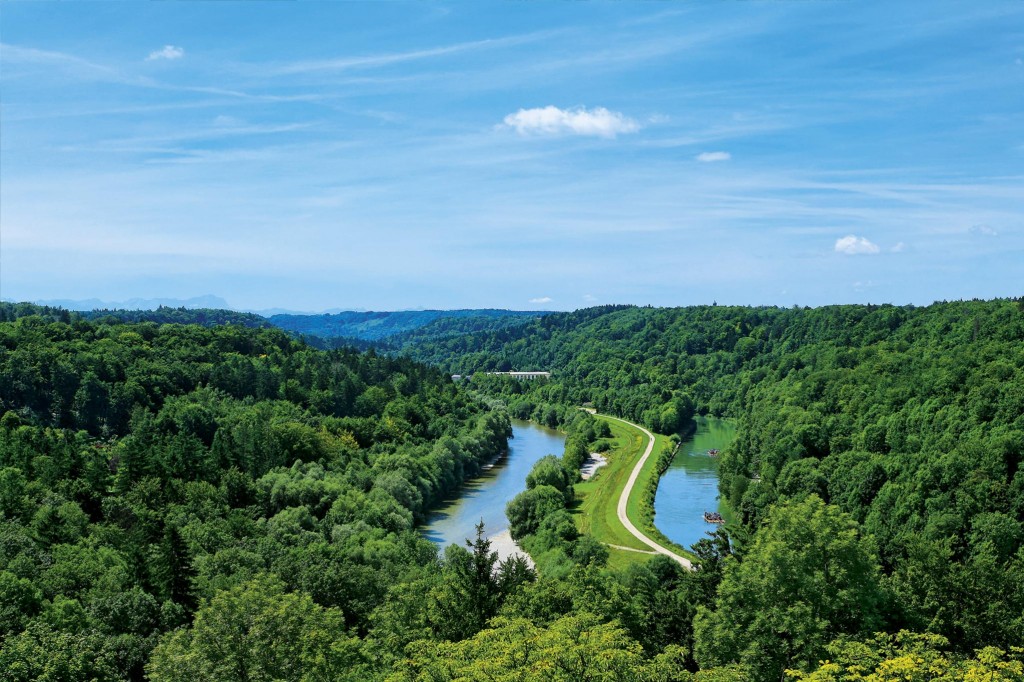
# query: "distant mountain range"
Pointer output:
{"type": "Point", "coordinates": [352, 327]}
{"type": "Point", "coordinates": [375, 326]}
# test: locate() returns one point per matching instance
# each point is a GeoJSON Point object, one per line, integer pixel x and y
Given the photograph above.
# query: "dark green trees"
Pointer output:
{"type": "Point", "coordinates": [257, 631]}
{"type": "Point", "coordinates": [249, 493]}
{"type": "Point", "coordinates": [472, 587]}
{"type": "Point", "coordinates": [808, 577]}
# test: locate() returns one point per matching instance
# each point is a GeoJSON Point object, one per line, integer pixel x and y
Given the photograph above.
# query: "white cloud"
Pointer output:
{"type": "Point", "coordinates": [852, 245]}
{"type": "Point", "coordinates": [899, 248]}
{"type": "Point", "coordinates": [589, 298]}
{"type": "Point", "coordinates": [550, 120]}
{"type": "Point", "coordinates": [983, 230]}
{"type": "Point", "coordinates": [542, 299]}
{"type": "Point", "coordinates": [223, 120]}
{"type": "Point", "coordinates": [708, 157]}
{"type": "Point", "coordinates": [166, 52]}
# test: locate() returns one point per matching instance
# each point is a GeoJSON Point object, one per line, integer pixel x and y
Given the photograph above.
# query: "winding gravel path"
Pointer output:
{"type": "Point", "coordinates": [624, 498]}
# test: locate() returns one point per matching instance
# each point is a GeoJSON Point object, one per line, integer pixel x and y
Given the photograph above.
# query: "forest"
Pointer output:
{"type": "Point", "coordinates": [381, 325]}
{"type": "Point", "coordinates": [183, 502]}
{"type": "Point", "coordinates": [902, 426]}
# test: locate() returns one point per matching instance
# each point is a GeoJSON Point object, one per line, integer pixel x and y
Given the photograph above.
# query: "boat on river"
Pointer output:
{"type": "Point", "coordinates": [689, 486]}
{"type": "Point", "coordinates": [713, 517]}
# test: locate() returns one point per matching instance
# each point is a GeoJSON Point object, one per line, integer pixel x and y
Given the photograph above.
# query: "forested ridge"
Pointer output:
{"type": "Point", "coordinates": [147, 470]}
{"type": "Point", "coordinates": [207, 317]}
{"type": "Point", "coordinates": [328, 330]}
{"type": "Point", "coordinates": [228, 503]}
{"type": "Point", "coordinates": [381, 325]}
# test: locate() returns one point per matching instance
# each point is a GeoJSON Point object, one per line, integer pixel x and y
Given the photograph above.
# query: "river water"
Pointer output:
{"type": "Point", "coordinates": [688, 488]}
{"type": "Point", "coordinates": [690, 485]}
{"type": "Point", "coordinates": [485, 496]}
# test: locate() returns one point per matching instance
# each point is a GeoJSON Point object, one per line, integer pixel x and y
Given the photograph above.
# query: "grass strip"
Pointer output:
{"type": "Point", "coordinates": [597, 498]}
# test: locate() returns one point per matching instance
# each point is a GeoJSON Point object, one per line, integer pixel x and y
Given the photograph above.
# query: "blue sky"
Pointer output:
{"type": "Point", "coordinates": [314, 155]}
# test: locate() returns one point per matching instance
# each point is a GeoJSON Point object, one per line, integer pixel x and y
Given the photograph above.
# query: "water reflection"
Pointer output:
{"type": "Point", "coordinates": [485, 497]}
{"type": "Point", "coordinates": [690, 486]}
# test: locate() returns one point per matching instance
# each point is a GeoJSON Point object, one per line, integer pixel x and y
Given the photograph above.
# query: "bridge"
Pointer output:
{"type": "Point", "coordinates": [525, 376]}
{"type": "Point", "coordinates": [529, 376]}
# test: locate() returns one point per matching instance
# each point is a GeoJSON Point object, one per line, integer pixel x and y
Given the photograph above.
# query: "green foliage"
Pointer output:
{"type": "Point", "coordinates": [472, 587]}
{"type": "Point", "coordinates": [43, 654]}
{"type": "Point", "coordinates": [573, 648]}
{"type": "Point", "coordinates": [808, 577]}
{"type": "Point", "coordinates": [449, 601]}
{"type": "Point", "coordinates": [257, 631]}
{"type": "Point", "coordinates": [528, 509]}
{"type": "Point", "coordinates": [375, 326]}
{"type": "Point", "coordinates": [550, 471]}
{"type": "Point", "coordinates": [206, 317]}
{"type": "Point", "coordinates": [909, 419]}
{"type": "Point", "coordinates": [20, 600]}
{"type": "Point", "coordinates": [912, 657]}
{"type": "Point", "coordinates": [148, 469]}
{"type": "Point", "coordinates": [155, 478]}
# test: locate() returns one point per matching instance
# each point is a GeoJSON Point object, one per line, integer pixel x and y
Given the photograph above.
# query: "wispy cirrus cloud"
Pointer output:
{"type": "Point", "coordinates": [387, 59]}
{"type": "Point", "coordinates": [983, 230]}
{"type": "Point", "coordinates": [852, 245]}
{"type": "Point", "coordinates": [15, 54]}
{"type": "Point", "coordinates": [711, 157]}
{"type": "Point", "coordinates": [166, 52]}
{"type": "Point", "coordinates": [182, 143]}
{"type": "Point", "coordinates": [92, 71]}
{"type": "Point", "coordinates": [550, 120]}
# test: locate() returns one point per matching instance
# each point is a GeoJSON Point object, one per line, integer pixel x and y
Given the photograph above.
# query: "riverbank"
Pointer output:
{"type": "Point", "coordinates": [484, 497]}
{"type": "Point", "coordinates": [591, 464]}
{"type": "Point", "coordinates": [640, 506]}
{"type": "Point", "coordinates": [630, 503]}
{"type": "Point", "coordinates": [597, 498]}
{"type": "Point", "coordinates": [506, 547]}
{"type": "Point", "coordinates": [623, 482]}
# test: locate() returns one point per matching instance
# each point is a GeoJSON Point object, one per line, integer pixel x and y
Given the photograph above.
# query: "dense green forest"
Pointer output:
{"type": "Point", "coordinates": [900, 429]}
{"type": "Point", "coordinates": [207, 317]}
{"type": "Point", "coordinates": [229, 503]}
{"type": "Point", "coordinates": [329, 330]}
{"type": "Point", "coordinates": [148, 471]}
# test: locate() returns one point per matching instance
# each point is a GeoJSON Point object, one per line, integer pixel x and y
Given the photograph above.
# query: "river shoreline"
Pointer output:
{"type": "Point", "coordinates": [483, 497]}
{"type": "Point", "coordinates": [506, 547]}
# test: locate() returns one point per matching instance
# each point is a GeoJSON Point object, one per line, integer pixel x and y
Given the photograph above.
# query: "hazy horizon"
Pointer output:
{"type": "Point", "coordinates": [88, 305]}
{"type": "Point", "coordinates": [403, 156]}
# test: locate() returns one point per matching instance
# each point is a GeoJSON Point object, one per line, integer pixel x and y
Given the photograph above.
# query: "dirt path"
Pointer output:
{"type": "Point", "coordinates": [624, 499]}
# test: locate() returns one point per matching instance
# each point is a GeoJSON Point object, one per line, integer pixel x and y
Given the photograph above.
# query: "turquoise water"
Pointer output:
{"type": "Point", "coordinates": [690, 485]}
{"type": "Point", "coordinates": [485, 497]}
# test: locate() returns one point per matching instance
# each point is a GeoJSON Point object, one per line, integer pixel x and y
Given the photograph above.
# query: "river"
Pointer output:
{"type": "Point", "coordinates": [690, 485]}
{"type": "Point", "coordinates": [485, 496]}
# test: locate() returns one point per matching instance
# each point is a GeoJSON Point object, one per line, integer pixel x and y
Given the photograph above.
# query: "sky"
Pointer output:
{"type": "Point", "coordinates": [525, 155]}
